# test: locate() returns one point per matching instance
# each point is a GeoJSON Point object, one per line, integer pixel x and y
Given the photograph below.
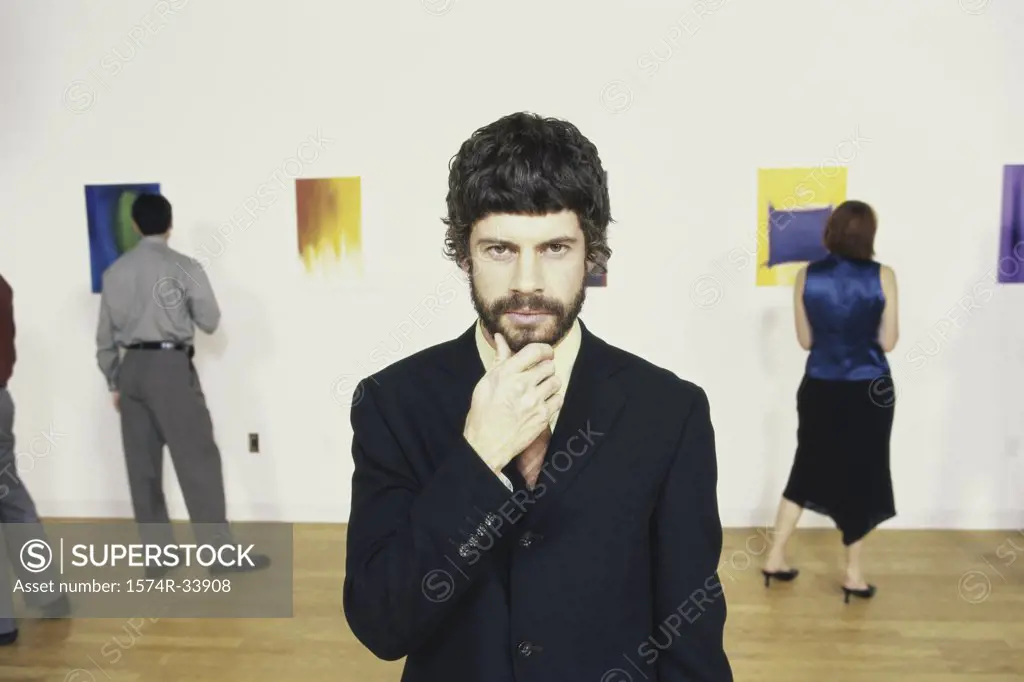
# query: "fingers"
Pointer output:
{"type": "Point", "coordinates": [548, 407]}
{"type": "Point", "coordinates": [554, 403]}
{"type": "Point", "coordinates": [538, 373]}
{"type": "Point", "coordinates": [548, 387]}
{"type": "Point", "coordinates": [504, 353]}
{"type": "Point", "coordinates": [530, 356]}
{"type": "Point", "coordinates": [544, 399]}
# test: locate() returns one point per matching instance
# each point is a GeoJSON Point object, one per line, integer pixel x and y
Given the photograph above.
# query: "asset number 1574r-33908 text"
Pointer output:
{"type": "Point", "coordinates": [172, 585]}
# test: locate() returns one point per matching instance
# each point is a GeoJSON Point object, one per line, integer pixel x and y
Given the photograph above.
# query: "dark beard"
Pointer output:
{"type": "Point", "coordinates": [518, 338]}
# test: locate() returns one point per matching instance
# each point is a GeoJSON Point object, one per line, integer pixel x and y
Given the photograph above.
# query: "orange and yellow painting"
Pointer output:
{"type": "Point", "coordinates": [329, 223]}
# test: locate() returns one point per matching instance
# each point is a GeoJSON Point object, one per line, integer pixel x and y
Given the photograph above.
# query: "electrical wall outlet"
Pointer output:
{"type": "Point", "coordinates": [254, 442]}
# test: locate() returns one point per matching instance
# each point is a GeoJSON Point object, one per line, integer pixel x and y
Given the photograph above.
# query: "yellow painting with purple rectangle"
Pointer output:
{"type": "Point", "coordinates": [330, 224]}
{"type": "Point", "coordinates": [793, 205]}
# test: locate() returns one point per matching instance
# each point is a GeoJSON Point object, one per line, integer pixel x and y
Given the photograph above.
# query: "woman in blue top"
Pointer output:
{"type": "Point", "coordinates": [846, 316]}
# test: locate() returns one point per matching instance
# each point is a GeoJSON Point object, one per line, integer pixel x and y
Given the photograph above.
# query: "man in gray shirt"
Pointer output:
{"type": "Point", "coordinates": [153, 298]}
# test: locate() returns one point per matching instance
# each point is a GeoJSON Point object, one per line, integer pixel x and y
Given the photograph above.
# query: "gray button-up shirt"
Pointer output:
{"type": "Point", "coordinates": [151, 293]}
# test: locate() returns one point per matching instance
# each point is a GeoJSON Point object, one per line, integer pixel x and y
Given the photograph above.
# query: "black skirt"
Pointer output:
{"type": "Point", "coordinates": [841, 468]}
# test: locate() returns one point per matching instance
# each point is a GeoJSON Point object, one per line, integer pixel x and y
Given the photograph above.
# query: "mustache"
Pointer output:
{"type": "Point", "coordinates": [521, 302]}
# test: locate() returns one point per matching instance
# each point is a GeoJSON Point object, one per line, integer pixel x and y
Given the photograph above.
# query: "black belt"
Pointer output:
{"type": "Point", "coordinates": [163, 345]}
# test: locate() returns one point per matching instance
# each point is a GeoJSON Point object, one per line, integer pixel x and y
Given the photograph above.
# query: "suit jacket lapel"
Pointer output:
{"type": "Point", "coordinates": [593, 402]}
{"type": "Point", "coordinates": [462, 360]}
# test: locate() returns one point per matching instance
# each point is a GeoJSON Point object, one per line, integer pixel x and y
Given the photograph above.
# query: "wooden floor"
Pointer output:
{"type": "Point", "coordinates": [950, 607]}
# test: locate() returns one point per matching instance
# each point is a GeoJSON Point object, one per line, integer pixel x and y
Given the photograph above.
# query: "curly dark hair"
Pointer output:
{"type": "Point", "coordinates": [527, 164]}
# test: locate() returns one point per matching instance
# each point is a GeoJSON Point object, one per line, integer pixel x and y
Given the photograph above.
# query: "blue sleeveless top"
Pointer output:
{"type": "Point", "coordinates": [844, 301]}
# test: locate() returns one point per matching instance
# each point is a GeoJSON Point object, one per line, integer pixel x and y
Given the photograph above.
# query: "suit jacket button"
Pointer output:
{"type": "Point", "coordinates": [525, 648]}
{"type": "Point", "coordinates": [529, 538]}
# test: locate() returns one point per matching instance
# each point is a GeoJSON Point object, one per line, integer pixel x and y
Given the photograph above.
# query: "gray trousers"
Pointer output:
{"type": "Point", "coordinates": [19, 522]}
{"type": "Point", "coordinates": [162, 404]}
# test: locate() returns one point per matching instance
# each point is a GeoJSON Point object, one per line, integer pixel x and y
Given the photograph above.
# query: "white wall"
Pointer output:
{"type": "Point", "coordinates": [684, 109]}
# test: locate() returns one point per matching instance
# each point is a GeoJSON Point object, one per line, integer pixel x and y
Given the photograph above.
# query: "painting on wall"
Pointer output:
{"type": "Point", "coordinates": [329, 223]}
{"type": "Point", "coordinates": [1011, 233]}
{"type": "Point", "coordinates": [109, 216]}
{"type": "Point", "coordinates": [793, 205]}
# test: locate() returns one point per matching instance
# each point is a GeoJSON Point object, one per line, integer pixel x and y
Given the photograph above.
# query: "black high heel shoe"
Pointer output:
{"type": "Point", "coordinates": [781, 576]}
{"type": "Point", "coordinates": [867, 593]}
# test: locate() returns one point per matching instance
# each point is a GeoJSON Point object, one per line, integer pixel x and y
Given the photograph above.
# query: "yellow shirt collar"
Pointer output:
{"type": "Point", "coordinates": [566, 351]}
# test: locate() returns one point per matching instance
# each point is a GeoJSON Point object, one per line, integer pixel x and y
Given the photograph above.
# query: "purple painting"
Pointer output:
{"type": "Point", "coordinates": [795, 236]}
{"type": "Point", "coordinates": [1011, 235]}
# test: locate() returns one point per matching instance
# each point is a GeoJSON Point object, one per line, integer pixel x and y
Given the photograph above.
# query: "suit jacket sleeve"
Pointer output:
{"type": "Point", "coordinates": [414, 547]}
{"type": "Point", "coordinates": [688, 599]}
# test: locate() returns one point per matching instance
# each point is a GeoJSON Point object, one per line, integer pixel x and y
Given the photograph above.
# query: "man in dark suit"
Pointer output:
{"type": "Point", "coordinates": [530, 502]}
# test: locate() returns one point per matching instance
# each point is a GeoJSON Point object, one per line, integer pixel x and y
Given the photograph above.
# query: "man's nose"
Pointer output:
{"type": "Point", "coordinates": [527, 277]}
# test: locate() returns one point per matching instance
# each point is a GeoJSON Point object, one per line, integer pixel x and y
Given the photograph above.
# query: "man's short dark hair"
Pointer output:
{"type": "Point", "coordinates": [152, 213]}
{"type": "Point", "coordinates": [529, 165]}
{"type": "Point", "coordinates": [850, 230]}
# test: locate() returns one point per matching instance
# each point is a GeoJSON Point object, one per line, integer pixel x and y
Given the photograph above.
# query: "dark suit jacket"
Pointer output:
{"type": "Point", "coordinates": [605, 572]}
{"type": "Point", "coordinates": [8, 354]}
